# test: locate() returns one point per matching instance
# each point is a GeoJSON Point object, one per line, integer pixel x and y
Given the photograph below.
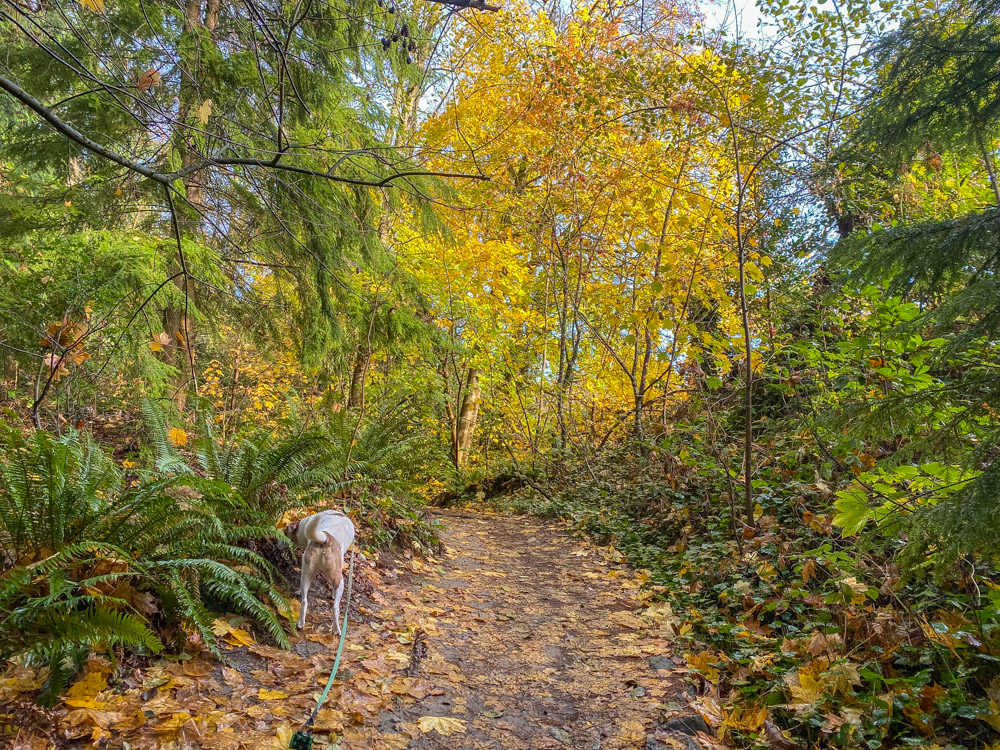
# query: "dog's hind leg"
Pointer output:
{"type": "Point", "coordinates": [336, 606]}
{"type": "Point", "coordinates": [304, 582]}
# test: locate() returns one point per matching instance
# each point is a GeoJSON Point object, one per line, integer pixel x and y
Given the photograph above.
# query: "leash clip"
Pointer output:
{"type": "Point", "coordinates": [301, 740]}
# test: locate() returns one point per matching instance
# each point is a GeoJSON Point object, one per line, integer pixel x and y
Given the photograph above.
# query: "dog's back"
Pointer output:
{"type": "Point", "coordinates": [326, 526]}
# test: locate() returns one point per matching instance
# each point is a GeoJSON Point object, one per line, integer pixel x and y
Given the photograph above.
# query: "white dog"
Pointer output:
{"type": "Point", "coordinates": [326, 537]}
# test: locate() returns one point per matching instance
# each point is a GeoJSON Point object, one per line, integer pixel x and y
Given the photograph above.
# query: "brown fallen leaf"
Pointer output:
{"type": "Point", "coordinates": [232, 677]}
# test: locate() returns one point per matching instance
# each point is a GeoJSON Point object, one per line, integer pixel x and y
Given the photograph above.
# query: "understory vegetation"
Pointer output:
{"type": "Point", "coordinates": [100, 555]}
{"type": "Point", "coordinates": [727, 301]}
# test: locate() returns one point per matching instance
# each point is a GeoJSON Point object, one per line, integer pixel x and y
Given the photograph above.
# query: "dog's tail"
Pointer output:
{"type": "Point", "coordinates": [321, 537]}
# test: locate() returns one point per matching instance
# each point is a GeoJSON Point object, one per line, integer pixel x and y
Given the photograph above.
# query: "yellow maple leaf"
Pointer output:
{"type": "Point", "coordinates": [809, 690]}
{"type": "Point", "coordinates": [173, 724]}
{"type": "Point", "coordinates": [441, 724]}
{"type": "Point", "coordinates": [282, 737]}
{"type": "Point", "coordinates": [96, 6]}
{"type": "Point", "coordinates": [231, 634]}
{"type": "Point", "coordinates": [291, 610]}
{"type": "Point", "coordinates": [205, 111]}
{"type": "Point", "coordinates": [749, 718]}
{"type": "Point", "coordinates": [703, 662]}
{"type": "Point", "coordinates": [265, 694]}
{"type": "Point", "coordinates": [239, 637]}
{"type": "Point", "coordinates": [993, 717]}
{"type": "Point", "coordinates": [133, 721]}
{"type": "Point", "coordinates": [87, 687]}
{"type": "Point", "coordinates": [85, 703]}
{"type": "Point", "coordinates": [660, 611]}
{"type": "Point", "coordinates": [177, 436]}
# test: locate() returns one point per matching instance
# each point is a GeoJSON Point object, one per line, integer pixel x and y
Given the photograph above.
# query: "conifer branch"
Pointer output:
{"type": "Point", "coordinates": [167, 178]}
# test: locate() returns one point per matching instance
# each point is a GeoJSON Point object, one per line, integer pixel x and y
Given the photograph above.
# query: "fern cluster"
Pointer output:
{"type": "Point", "coordinates": [96, 558]}
{"type": "Point", "coordinates": [91, 560]}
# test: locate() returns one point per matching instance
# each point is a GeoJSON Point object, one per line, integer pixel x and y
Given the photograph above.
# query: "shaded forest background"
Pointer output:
{"type": "Point", "coordinates": [725, 297]}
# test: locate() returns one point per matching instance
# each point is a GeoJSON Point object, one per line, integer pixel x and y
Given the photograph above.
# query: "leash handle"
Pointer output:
{"type": "Point", "coordinates": [340, 650]}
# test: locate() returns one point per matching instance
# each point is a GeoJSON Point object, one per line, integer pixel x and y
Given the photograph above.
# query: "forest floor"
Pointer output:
{"type": "Point", "coordinates": [516, 636]}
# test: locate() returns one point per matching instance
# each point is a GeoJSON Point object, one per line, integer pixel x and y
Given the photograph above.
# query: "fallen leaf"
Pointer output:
{"type": "Point", "coordinates": [271, 695]}
{"type": "Point", "coordinates": [809, 690]}
{"type": "Point", "coordinates": [441, 724]}
{"type": "Point", "coordinates": [231, 677]}
{"type": "Point", "coordinates": [87, 687]}
{"type": "Point", "coordinates": [626, 620]}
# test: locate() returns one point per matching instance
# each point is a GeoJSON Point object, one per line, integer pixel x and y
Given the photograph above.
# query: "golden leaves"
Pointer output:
{"type": "Point", "coordinates": [263, 695]}
{"type": "Point", "coordinates": [291, 611]}
{"type": "Point", "coordinates": [84, 690]}
{"type": "Point", "coordinates": [271, 695]}
{"type": "Point", "coordinates": [95, 6]}
{"type": "Point", "coordinates": [283, 736]}
{"type": "Point", "coordinates": [704, 663]}
{"type": "Point", "coordinates": [441, 724]}
{"type": "Point", "coordinates": [626, 620]}
{"type": "Point", "coordinates": [812, 682]}
{"type": "Point", "coordinates": [231, 634]}
{"type": "Point", "coordinates": [177, 435]}
{"type": "Point", "coordinates": [204, 111]}
{"type": "Point", "coordinates": [746, 718]}
{"type": "Point", "coordinates": [806, 690]}
{"type": "Point", "coordinates": [660, 612]}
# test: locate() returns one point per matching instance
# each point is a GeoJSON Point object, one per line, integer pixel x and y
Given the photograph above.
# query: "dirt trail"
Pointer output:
{"type": "Point", "coordinates": [537, 642]}
{"type": "Point", "coordinates": [517, 637]}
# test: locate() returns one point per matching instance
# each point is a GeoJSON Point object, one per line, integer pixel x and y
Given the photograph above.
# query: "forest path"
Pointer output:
{"type": "Point", "coordinates": [517, 636]}
{"type": "Point", "coordinates": [535, 640]}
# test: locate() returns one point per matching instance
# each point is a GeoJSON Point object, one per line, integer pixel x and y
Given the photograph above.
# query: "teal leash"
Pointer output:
{"type": "Point", "coordinates": [303, 739]}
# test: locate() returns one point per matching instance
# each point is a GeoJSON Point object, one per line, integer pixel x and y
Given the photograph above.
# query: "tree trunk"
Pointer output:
{"type": "Point", "coordinates": [178, 323]}
{"type": "Point", "coordinates": [180, 352]}
{"type": "Point", "coordinates": [356, 395]}
{"type": "Point", "coordinates": [467, 417]}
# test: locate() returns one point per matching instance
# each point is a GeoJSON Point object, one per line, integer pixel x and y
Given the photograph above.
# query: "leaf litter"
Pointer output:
{"type": "Point", "coordinates": [517, 636]}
